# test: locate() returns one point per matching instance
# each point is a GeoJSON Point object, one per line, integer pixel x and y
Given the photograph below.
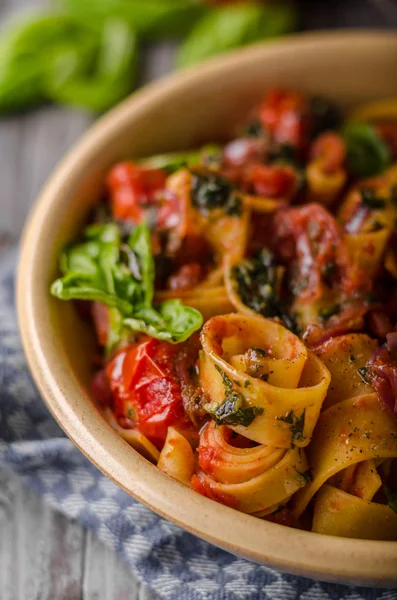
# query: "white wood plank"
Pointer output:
{"type": "Point", "coordinates": [41, 552]}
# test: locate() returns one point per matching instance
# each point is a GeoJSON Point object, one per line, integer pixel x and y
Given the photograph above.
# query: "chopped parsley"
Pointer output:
{"type": "Point", "coordinates": [256, 282]}
{"type": "Point", "coordinates": [254, 128]}
{"type": "Point", "coordinates": [365, 374]}
{"type": "Point", "coordinates": [297, 424]}
{"type": "Point", "coordinates": [305, 477]}
{"type": "Point", "coordinates": [232, 411]}
{"type": "Point", "coordinates": [210, 191]}
{"type": "Point", "coordinates": [371, 200]}
{"type": "Point", "coordinates": [391, 496]}
{"type": "Point", "coordinates": [327, 312]}
{"type": "Point", "coordinates": [260, 351]}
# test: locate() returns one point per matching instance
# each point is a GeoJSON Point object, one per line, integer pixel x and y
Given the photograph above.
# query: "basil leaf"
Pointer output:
{"type": "Point", "coordinates": [367, 154]}
{"type": "Point", "coordinates": [232, 26]}
{"type": "Point", "coordinates": [112, 74]}
{"type": "Point", "coordinates": [152, 18]}
{"type": "Point", "coordinates": [140, 244]}
{"type": "Point", "coordinates": [94, 270]}
{"type": "Point", "coordinates": [172, 321]}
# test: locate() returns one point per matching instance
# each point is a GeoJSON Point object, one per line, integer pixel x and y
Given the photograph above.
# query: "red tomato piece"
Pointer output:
{"type": "Point", "coordinates": [331, 149]}
{"type": "Point", "coordinates": [272, 181]}
{"type": "Point", "coordinates": [187, 277]}
{"type": "Point", "coordinates": [285, 116]}
{"type": "Point", "coordinates": [145, 389]}
{"type": "Point", "coordinates": [133, 189]}
{"type": "Point", "coordinates": [311, 236]}
{"type": "Point", "coordinates": [100, 316]}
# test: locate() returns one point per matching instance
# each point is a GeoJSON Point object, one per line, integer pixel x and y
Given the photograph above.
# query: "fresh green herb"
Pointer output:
{"type": "Point", "coordinates": [256, 283]}
{"type": "Point", "coordinates": [246, 383]}
{"type": "Point", "coordinates": [324, 116]}
{"type": "Point", "coordinates": [328, 270]}
{"type": "Point", "coordinates": [260, 351]}
{"type": "Point", "coordinates": [231, 411]}
{"type": "Point", "coordinates": [235, 25]}
{"type": "Point", "coordinates": [297, 424]}
{"type": "Point", "coordinates": [305, 477]}
{"type": "Point", "coordinates": [365, 374]}
{"type": "Point", "coordinates": [327, 312]}
{"type": "Point", "coordinates": [367, 153]}
{"type": "Point", "coordinates": [95, 270]}
{"type": "Point", "coordinates": [56, 57]}
{"type": "Point", "coordinates": [371, 200]}
{"type": "Point", "coordinates": [172, 161]}
{"type": "Point", "coordinates": [376, 225]}
{"type": "Point", "coordinates": [152, 19]}
{"type": "Point", "coordinates": [391, 496]}
{"type": "Point", "coordinates": [393, 195]}
{"type": "Point", "coordinates": [254, 128]}
{"type": "Point", "coordinates": [210, 191]}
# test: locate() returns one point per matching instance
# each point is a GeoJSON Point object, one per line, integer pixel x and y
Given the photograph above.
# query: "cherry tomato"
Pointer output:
{"type": "Point", "coordinates": [145, 390]}
{"type": "Point", "coordinates": [311, 236]}
{"type": "Point", "coordinates": [285, 116]}
{"type": "Point", "coordinates": [133, 189]}
{"type": "Point", "coordinates": [272, 181]}
{"type": "Point", "coordinates": [331, 149]}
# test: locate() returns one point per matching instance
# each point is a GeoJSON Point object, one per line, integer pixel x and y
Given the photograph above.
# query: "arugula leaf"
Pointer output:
{"type": "Point", "coordinates": [391, 496]}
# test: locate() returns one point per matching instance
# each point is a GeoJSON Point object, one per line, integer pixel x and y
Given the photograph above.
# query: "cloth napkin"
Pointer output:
{"type": "Point", "coordinates": [175, 564]}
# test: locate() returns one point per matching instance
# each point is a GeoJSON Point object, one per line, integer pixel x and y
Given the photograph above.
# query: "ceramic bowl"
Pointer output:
{"type": "Point", "coordinates": [179, 112]}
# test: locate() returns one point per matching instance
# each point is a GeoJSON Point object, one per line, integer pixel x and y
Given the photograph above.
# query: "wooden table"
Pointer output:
{"type": "Point", "coordinates": [44, 556]}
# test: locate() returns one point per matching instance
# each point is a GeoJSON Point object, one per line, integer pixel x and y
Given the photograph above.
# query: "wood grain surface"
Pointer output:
{"type": "Point", "coordinates": [44, 556]}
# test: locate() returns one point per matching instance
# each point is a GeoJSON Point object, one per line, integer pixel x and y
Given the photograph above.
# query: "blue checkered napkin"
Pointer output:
{"type": "Point", "coordinates": [173, 563]}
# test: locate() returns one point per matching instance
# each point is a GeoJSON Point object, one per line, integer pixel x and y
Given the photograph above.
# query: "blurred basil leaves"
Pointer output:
{"type": "Point", "coordinates": [85, 52]}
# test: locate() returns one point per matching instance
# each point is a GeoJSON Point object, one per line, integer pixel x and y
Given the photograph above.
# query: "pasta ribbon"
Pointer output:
{"type": "Point", "coordinates": [347, 433]}
{"type": "Point", "coordinates": [344, 356]}
{"type": "Point", "coordinates": [338, 513]}
{"type": "Point", "coordinates": [133, 437]}
{"type": "Point", "coordinates": [176, 457]}
{"type": "Point", "coordinates": [323, 187]}
{"type": "Point", "coordinates": [285, 387]}
{"type": "Point", "coordinates": [374, 111]}
{"type": "Point", "coordinates": [253, 479]}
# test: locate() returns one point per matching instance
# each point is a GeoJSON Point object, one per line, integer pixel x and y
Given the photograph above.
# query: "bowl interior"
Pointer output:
{"type": "Point", "coordinates": [182, 112]}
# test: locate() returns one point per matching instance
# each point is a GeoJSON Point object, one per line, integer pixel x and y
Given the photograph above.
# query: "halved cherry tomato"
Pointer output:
{"type": "Point", "coordinates": [133, 189]}
{"type": "Point", "coordinates": [285, 116]}
{"type": "Point", "coordinates": [145, 390]}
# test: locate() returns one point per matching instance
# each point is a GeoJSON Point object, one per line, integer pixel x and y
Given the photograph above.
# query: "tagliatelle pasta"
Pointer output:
{"type": "Point", "coordinates": [244, 300]}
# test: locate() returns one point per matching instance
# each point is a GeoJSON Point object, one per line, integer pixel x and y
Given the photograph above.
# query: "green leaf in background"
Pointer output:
{"type": "Point", "coordinates": [367, 154]}
{"type": "Point", "coordinates": [152, 19]}
{"type": "Point", "coordinates": [229, 27]}
{"type": "Point", "coordinates": [110, 79]}
{"type": "Point", "coordinates": [26, 51]}
{"type": "Point", "coordinates": [102, 269]}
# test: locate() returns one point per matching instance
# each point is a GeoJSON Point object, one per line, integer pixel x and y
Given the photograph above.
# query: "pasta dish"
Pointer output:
{"type": "Point", "coordinates": [244, 301]}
